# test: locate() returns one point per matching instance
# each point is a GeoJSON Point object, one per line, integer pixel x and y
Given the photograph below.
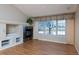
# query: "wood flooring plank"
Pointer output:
{"type": "Point", "coordinates": [38, 47]}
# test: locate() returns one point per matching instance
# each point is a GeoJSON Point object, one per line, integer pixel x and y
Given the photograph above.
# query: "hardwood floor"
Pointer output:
{"type": "Point", "coordinates": [37, 47]}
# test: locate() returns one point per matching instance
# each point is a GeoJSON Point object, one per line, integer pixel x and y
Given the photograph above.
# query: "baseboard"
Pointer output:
{"type": "Point", "coordinates": [52, 41]}
{"type": "Point", "coordinates": [77, 49]}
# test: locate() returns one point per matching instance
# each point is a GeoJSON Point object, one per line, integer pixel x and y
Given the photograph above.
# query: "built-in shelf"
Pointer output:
{"type": "Point", "coordinates": [10, 34]}
{"type": "Point", "coordinates": [17, 39]}
{"type": "Point", "coordinates": [5, 43]}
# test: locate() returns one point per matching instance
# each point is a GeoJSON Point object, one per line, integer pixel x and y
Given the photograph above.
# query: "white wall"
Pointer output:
{"type": "Point", "coordinates": [10, 13]}
{"type": "Point", "coordinates": [70, 31]}
{"type": "Point", "coordinates": [68, 39]}
{"type": "Point", "coordinates": [77, 30]}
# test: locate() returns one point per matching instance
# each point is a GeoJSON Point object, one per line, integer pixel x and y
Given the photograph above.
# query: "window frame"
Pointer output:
{"type": "Point", "coordinates": [56, 29]}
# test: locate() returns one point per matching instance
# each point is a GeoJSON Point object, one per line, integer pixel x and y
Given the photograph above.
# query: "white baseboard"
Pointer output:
{"type": "Point", "coordinates": [52, 41]}
{"type": "Point", "coordinates": [77, 49]}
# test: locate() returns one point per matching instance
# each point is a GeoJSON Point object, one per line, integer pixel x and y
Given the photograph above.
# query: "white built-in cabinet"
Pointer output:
{"type": "Point", "coordinates": [10, 35]}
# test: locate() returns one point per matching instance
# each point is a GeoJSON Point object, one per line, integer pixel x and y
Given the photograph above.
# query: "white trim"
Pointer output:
{"type": "Point", "coordinates": [52, 41]}
{"type": "Point", "coordinates": [12, 22]}
{"type": "Point", "coordinates": [77, 49]}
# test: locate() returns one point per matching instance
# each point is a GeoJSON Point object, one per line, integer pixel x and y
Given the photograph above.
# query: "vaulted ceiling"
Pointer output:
{"type": "Point", "coordinates": [45, 9]}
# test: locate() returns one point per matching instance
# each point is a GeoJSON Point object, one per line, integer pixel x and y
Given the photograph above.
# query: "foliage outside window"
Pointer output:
{"type": "Point", "coordinates": [54, 27]}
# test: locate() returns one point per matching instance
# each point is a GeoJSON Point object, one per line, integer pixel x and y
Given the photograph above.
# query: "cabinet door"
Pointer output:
{"type": "Point", "coordinates": [2, 31]}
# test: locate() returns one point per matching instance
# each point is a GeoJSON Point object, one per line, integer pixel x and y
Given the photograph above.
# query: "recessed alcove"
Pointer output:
{"type": "Point", "coordinates": [11, 28]}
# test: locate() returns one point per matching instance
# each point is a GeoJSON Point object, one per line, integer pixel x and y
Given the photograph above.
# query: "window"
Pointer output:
{"type": "Point", "coordinates": [54, 27]}
{"type": "Point", "coordinates": [61, 27]}
{"type": "Point", "coordinates": [41, 27]}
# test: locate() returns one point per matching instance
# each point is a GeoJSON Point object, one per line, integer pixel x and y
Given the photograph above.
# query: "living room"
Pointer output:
{"type": "Point", "coordinates": [54, 29]}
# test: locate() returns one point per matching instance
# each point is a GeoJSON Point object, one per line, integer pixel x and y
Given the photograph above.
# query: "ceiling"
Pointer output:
{"type": "Point", "coordinates": [45, 9]}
